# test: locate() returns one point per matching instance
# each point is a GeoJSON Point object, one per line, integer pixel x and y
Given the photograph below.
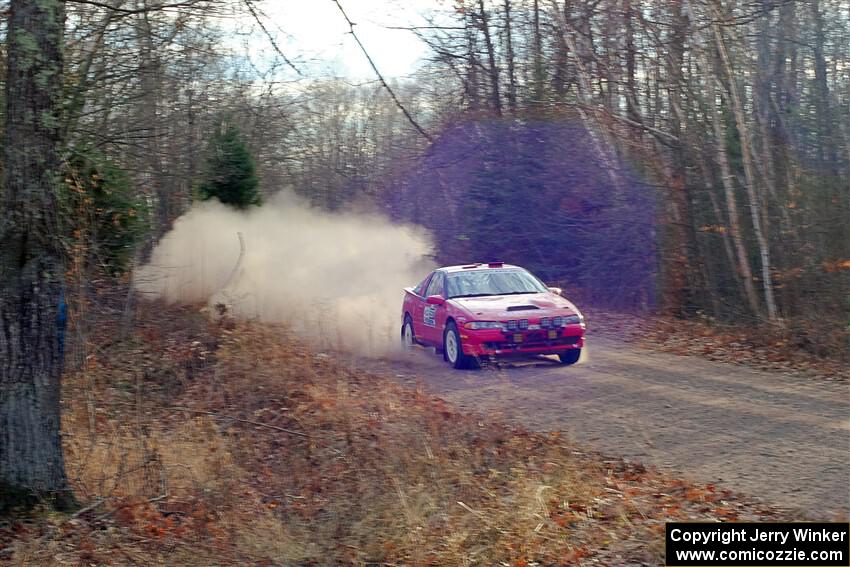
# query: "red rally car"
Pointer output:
{"type": "Point", "coordinates": [485, 310]}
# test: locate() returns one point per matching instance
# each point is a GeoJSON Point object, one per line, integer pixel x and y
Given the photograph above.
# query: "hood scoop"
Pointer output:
{"type": "Point", "coordinates": [522, 307]}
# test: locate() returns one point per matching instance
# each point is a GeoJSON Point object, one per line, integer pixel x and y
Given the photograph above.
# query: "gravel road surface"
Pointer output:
{"type": "Point", "coordinates": [782, 438]}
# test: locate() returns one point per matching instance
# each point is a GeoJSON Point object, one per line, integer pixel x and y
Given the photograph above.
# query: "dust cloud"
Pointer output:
{"type": "Point", "coordinates": [335, 279]}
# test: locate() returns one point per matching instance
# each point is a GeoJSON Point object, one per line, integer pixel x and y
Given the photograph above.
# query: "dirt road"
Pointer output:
{"type": "Point", "coordinates": [782, 438]}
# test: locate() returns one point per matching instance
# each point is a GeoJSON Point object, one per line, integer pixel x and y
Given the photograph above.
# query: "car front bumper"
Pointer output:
{"type": "Point", "coordinates": [494, 342]}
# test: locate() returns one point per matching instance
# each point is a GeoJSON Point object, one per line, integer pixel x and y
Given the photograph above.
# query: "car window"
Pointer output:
{"type": "Point", "coordinates": [423, 285]}
{"type": "Point", "coordinates": [492, 282]}
{"type": "Point", "coordinates": [436, 285]}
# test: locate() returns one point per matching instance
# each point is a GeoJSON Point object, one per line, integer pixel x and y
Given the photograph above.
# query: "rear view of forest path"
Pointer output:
{"type": "Point", "coordinates": [779, 437]}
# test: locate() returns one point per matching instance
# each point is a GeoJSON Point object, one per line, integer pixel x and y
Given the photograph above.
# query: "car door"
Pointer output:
{"type": "Point", "coordinates": [418, 306]}
{"type": "Point", "coordinates": [431, 332]}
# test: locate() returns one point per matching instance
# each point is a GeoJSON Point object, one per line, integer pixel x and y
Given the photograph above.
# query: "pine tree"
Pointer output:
{"type": "Point", "coordinates": [231, 173]}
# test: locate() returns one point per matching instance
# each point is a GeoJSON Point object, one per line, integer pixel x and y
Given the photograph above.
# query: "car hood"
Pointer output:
{"type": "Point", "coordinates": [515, 306]}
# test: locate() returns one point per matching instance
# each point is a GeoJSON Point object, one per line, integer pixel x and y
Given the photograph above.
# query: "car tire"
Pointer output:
{"type": "Point", "coordinates": [408, 339]}
{"type": "Point", "coordinates": [452, 350]}
{"type": "Point", "coordinates": [570, 357]}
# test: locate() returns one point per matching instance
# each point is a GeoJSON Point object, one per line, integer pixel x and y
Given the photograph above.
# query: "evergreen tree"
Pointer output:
{"type": "Point", "coordinates": [101, 214]}
{"type": "Point", "coordinates": [231, 173]}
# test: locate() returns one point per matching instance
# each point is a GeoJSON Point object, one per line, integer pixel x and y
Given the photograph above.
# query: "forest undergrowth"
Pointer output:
{"type": "Point", "coordinates": [192, 439]}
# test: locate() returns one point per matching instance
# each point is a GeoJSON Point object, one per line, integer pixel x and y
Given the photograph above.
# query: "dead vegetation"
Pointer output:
{"type": "Point", "coordinates": [799, 346]}
{"type": "Point", "coordinates": [196, 443]}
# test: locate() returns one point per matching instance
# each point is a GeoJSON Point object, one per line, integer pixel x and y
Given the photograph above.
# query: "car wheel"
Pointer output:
{"type": "Point", "coordinates": [408, 339]}
{"type": "Point", "coordinates": [452, 351]}
{"type": "Point", "coordinates": [571, 356]}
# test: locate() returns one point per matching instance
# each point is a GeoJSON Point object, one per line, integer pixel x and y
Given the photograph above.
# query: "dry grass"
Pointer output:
{"type": "Point", "coordinates": [814, 348]}
{"type": "Point", "coordinates": [209, 444]}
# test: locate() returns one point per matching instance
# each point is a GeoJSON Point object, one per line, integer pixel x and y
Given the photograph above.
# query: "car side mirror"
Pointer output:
{"type": "Point", "coordinates": [556, 290]}
{"type": "Point", "coordinates": [435, 300]}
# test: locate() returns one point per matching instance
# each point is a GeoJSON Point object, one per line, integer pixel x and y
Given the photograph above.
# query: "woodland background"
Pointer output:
{"type": "Point", "coordinates": [688, 158]}
{"type": "Point", "coordinates": [691, 156]}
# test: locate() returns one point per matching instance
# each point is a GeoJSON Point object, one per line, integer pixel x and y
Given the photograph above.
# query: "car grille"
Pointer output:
{"type": "Point", "coordinates": [532, 341]}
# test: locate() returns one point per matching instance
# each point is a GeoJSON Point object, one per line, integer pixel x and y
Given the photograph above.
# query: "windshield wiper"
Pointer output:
{"type": "Point", "coordinates": [519, 292]}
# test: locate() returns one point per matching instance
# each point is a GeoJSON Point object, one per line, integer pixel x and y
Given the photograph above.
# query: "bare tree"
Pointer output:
{"type": "Point", "coordinates": [511, 59]}
{"type": "Point", "coordinates": [492, 67]}
{"type": "Point", "coordinates": [749, 170]}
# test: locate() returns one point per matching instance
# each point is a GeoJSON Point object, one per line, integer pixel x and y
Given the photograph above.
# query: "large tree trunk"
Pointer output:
{"type": "Point", "coordinates": [31, 462]}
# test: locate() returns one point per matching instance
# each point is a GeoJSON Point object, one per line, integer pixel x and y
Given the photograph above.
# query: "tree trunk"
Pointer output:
{"type": "Point", "coordinates": [631, 86]}
{"type": "Point", "coordinates": [509, 45]}
{"type": "Point", "coordinates": [827, 150]}
{"type": "Point", "coordinates": [684, 281]}
{"type": "Point", "coordinates": [472, 88]}
{"type": "Point", "coordinates": [746, 157]}
{"type": "Point", "coordinates": [492, 69]}
{"type": "Point", "coordinates": [595, 129]}
{"type": "Point", "coordinates": [151, 87]}
{"type": "Point", "coordinates": [539, 75]}
{"type": "Point", "coordinates": [31, 271]}
{"type": "Point", "coordinates": [745, 274]}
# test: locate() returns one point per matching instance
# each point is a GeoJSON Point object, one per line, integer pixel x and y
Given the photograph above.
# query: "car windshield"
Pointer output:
{"type": "Point", "coordinates": [491, 282]}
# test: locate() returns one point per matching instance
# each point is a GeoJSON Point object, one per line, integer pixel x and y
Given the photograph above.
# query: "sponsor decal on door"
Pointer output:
{"type": "Point", "coordinates": [428, 316]}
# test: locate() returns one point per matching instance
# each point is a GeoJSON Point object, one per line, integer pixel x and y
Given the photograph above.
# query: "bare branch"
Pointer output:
{"type": "Point", "coordinates": [132, 11]}
{"type": "Point", "coordinates": [381, 77]}
{"type": "Point", "coordinates": [269, 36]}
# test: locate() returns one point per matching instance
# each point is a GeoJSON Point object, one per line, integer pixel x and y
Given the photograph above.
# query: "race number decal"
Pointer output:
{"type": "Point", "coordinates": [428, 316]}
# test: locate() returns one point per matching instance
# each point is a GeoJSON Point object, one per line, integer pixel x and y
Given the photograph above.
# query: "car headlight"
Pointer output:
{"type": "Point", "coordinates": [573, 320]}
{"type": "Point", "coordinates": [477, 325]}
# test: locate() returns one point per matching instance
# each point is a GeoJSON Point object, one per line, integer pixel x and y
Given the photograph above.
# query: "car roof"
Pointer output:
{"type": "Point", "coordinates": [477, 266]}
